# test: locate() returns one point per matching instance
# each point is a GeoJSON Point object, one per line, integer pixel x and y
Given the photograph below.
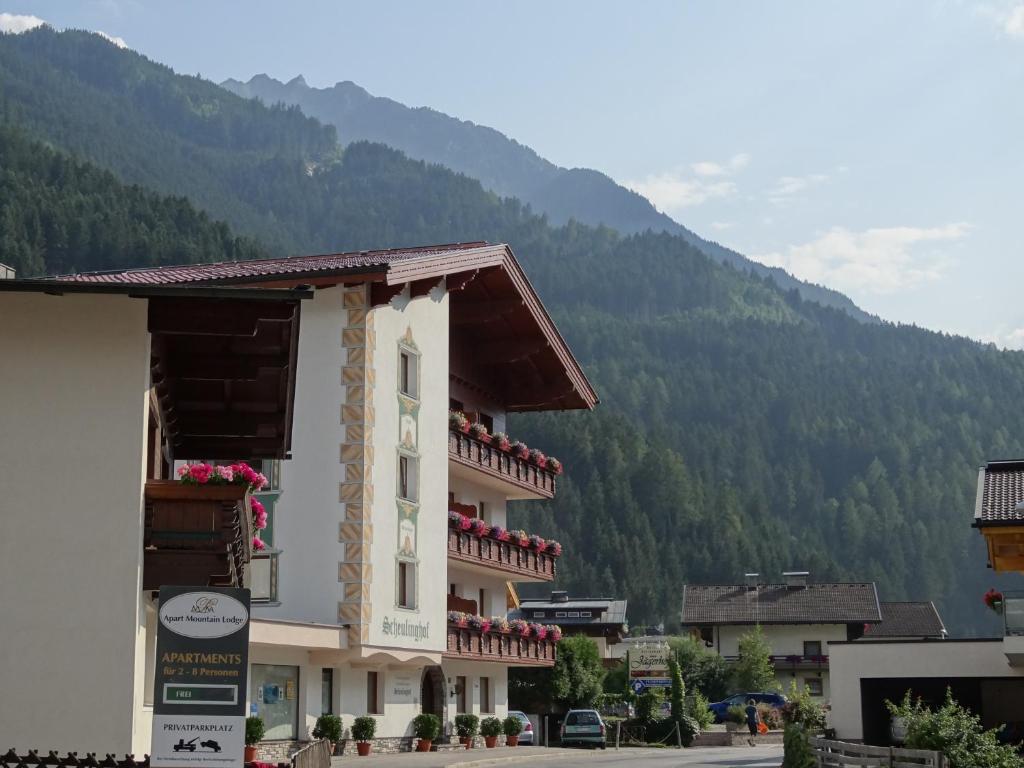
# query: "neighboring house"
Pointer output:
{"type": "Point", "coordinates": [798, 618]}
{"type": "Point", "coordinates": [984, 674]}
{"type": "Point", "coordinates": [907, 621]}
{"type": "Point", "coordinates": [104, 386]}
{"type": "Point", "coordinates": [364, 560]}
{"type": "Point", "coordinates": [600, 618]}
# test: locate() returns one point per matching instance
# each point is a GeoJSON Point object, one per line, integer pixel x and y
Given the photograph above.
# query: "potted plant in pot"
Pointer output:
{"type": "Point", "coordinates": [254, 730]}
{"type": "Point", "coordinates": [490, 729]}
{"type": "Point", "coordinates": [467, 726]}
{"type": "Point", "coordinates": [426, 728]}
{"type": "Point", "coordinates": [512, 728]}
{"type": "Point", "coordinates": [328, 727]}
{"type": "Point", "coordinates": [363, 729]}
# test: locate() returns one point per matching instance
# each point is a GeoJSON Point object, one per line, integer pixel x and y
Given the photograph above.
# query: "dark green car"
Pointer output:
{"type": "Point", "coordinates": [584, 727]}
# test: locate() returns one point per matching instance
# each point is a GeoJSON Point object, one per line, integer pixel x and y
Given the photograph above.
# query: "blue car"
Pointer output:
{"type": "Point", "coordinates": [720, 708]}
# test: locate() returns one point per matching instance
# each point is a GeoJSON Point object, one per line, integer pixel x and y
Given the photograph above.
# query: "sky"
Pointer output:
{"type": "Point", "coordinates": [875, 147]}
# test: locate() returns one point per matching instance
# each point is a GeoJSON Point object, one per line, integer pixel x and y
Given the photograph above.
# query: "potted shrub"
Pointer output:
{"type": "Point", "coordinates": [328, 727]}
{"type": "Point", "coordinates": [735, 717]}
{"type": "Point", "coordinates": [467, 727]}
{"type": "Point", "coordinates": [363, 729]}
{"type": "Point", "coordinates": [512, 728]}
{"type": "Point", "coordinates": [254, 730]}
{"type": "Point", "coordinates": [426, 728]}
{"type": "Point", "coordinates": [490, 729]}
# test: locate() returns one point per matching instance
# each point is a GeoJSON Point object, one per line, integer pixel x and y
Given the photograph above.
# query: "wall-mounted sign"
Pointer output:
{"type": "Point", "coordinates": [402, 688]}
{"type": "Point", "coordinates": [202, 653]}
{"type": "Point", "coordinates": [406, 628]}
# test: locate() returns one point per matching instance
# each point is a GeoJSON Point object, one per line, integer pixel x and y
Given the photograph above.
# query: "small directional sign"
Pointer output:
{"type": "Point", "coordinates": [638, 686]}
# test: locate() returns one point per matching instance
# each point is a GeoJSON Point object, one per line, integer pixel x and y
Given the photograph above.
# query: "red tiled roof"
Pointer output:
{"type": "Point", "coordinates": [833, 603]}
{"type": "Point", "coordinates": [1000, 490]}
{"type": "Point", "coordinates": [234, 271]}
{"type": "Point", "coordinates": [907, 620]}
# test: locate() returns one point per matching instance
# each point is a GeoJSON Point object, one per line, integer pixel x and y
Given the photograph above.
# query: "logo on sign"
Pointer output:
{"type": "Point", "coordinates": [203, 615]}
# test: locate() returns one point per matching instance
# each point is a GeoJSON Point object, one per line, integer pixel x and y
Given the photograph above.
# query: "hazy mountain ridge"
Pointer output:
{"type": "Point", "coordinates": [505, 166]}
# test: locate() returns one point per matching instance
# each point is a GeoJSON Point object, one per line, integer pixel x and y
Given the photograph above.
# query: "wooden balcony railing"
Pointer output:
{"type": "Point", "coordinates": [471, 452]}
{"type": "Point", "coordinates": [503, 556]}
{"type": "Point", "coordinates": [196, 535]}
{"type": "Point", "coordinates": [505, 648]}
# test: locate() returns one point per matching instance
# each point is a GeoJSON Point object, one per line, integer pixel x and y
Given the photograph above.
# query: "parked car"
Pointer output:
{"type": "Point", "coordinates": [583, 727]}
{"type": "Point", "coordinates": [719, 708]}
{"type": "Point", "coordinates": [526, 735]}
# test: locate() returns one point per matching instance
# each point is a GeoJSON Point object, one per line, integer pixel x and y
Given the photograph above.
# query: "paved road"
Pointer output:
{"type": "Point", "coordinates": [536, 757]}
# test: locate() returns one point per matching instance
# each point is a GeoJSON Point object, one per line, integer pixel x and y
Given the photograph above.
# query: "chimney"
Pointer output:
{"type": "Point", "coordinates": [560, 596]}
{"type": "Point", "coordinates": [795, 579]}
{"type": "Point", "coordinates": [751, 580]}
{"type": "Point", "coordinates": [6, 273]}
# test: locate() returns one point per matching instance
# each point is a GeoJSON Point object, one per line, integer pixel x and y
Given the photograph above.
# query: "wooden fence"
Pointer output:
{"type": "Point", "coordinates": [839, 754]}
{"type": "Point", "coordinates": [316, 754]}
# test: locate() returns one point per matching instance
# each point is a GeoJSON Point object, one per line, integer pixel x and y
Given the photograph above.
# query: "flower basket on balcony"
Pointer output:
{"type": "Point", "coordinates": [554, 465]}
{"type": "Point", "coordinates": [554, 632]}
{"type": "Point", "coordinates": [231, 474]}
{"type": "Point", "coordinates": [500, 441]}
{"type": "Point", "coordinates": [537, 543]}
{"type": "Point", "coordinates": [479, 432]}
{"type": "Point", "coordinates": [539, 631]}
{"type": "Point", "coordinates": [554, 548]}
{"type": "Point", "coordinates": [478, 527]}
{"type": "Point", "coordinates": [458, 618]}
{"type": "Point", "coordinates": [994, 601]}
{"type": "Point", "coordinates": [498, 533]}
{"type": "Point", "coordinates": [537, 457]}
{"type": "Point", "coordinates": [458, 422]}
{"type": "Point", "coordinates": [519, 627]}
{"type": "Point", "coordinates": [499, 624]}
{"type": "Point", "coordinates": [519, 537]}
{"type": "Point", "coordinates": [520, 450]}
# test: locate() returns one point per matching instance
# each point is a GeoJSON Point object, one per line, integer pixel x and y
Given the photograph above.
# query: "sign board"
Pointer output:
{"type": "Point", "coordinates": [649, 660]}
{"type": "Point", "coordinates": [202, 656]}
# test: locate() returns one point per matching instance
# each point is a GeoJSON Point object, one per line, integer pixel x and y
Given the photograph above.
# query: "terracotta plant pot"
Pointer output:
{"type": "Point", "coordinates": [490, 741]}
{"type": "Point", "coordinates": [251, 754]}
{"type": "Point", "coordinates": [467, 740]}
{"type": "Point", "coordinates": [363, 748]}
{"type": "Point", "coordinates": [424, 745]}
{"type": "Point", "coordinates": [512, 741]}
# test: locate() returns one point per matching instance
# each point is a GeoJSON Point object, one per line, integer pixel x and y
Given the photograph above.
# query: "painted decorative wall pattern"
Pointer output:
{"type": "Point", "coordinates": [408, 442]}
{"type": "Point", "coordinates": [355, 532]}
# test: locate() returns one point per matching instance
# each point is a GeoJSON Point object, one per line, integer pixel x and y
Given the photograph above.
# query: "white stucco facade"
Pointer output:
{"type": "Point", "coordinates": [74, 384]}
{"type": "Point", "coordinates": [945, 661]}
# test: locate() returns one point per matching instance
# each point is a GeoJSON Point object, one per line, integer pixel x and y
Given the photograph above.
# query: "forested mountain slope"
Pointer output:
{"type": "Point", "coordinates": [57, 213]}
{"type": "Point", "coordinates": [741, 427]}
{"type": "Point", "coordinates": [505, 166]}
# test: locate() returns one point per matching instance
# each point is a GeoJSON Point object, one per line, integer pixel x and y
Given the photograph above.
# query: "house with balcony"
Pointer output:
{"type": "Point", "coordinates": [602, 619]}
{"type": "Point", "coordinates": [105, 386]}
{"type": "Point", "coordinates": [799, 619]}
{"type": "Point", "coordinates": [385, 583]}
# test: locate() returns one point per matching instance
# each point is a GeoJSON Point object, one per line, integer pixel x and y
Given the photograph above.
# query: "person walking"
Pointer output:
{"type": "Point", "coordinates": [752, 720]}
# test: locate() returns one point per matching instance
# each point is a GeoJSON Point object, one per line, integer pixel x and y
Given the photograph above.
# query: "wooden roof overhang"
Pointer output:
{"type": "Point", "coordinates": [224, 375]}
{"type": "Point", "coordinates": [222, 360]}
{"type": "Point", "coordinates": [499, 323]}
{"type": "Point", "coordinates": [496, 318]}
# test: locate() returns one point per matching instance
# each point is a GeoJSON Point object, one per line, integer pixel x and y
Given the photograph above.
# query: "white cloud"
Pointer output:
{"type": "Point", "coordinates": [15, 24]}
{"type": "Point", "coordinates": [1013, 25]}
{"type": "Point", "coordinates": [677, 189]}
{"type": "Point", "coordinates": [788, 187]}
{"type": "Point", "coordinates": [118, 41]}
{"type": "Point", "coordinates": [882, 260]}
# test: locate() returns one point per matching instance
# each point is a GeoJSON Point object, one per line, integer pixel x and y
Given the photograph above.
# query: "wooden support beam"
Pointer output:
{"type": "Point", "coordinates": [422, 287]}
{"type": "Point", "coordinates": [205, 367]}
{"type": "Point", "coordinates": [214, 318]}
{"type": "Point", "coordinates": [230, 424]}
{"type": "Point", "coordinates": [509, 350]}
{"type": "Point", "coordinates": [459, 280]}
{"type": "Point", "coordinates": [382, 293]}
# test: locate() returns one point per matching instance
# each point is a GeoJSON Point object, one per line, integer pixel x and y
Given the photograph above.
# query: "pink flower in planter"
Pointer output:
{"type": "Point", "coordinates": [520, 450]}
{"type": "Point", "coordinates": [225, 473]}
{"type": "Point", "coordinates": [539, 631]}
{"type": "Point", "coordinates": [555, 632]}
{"type": "Point", "coordinates": [520, 627]}
{"type": "Point", "coordinates": [554, 548]}
{"type": "Point", "coordinates": [485, 625]}
{"type": "Point", "coordinates": [478, 527]}
{"type": "Point", "coordinates": [536, 542]}
{"type": "Point", "coordinates": [555, 465]}
{"type": "Point", "coordinates": [538, 458]}
{"type": "Point", "coordinates": [257, 544]}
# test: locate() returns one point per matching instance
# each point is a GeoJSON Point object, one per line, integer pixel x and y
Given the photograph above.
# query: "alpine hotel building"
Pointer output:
{"type": "Point", "coordinates": [386, 551]}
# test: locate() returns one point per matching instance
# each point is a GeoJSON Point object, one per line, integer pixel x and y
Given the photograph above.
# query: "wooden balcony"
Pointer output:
{"type": "Point", "coordinates": [520, 478]}
{"type": "Point", "coordinates": [196, 535]}
{"type": "Point", "coordinates": [504, 648]}
{"type": "Point", "coordinates": [522, 563]}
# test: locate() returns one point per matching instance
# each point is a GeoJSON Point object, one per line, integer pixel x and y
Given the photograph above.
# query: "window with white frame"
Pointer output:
{"type": "Point", "coordinates": [406, 584]}
{"type": "Point", "coordinates": [408, 373]}
{"type": "Point", "coordinates": [814, 686]}
{"type": "Point", "coordinates": [408, 477]}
